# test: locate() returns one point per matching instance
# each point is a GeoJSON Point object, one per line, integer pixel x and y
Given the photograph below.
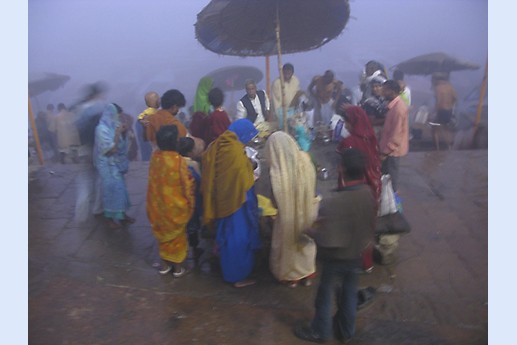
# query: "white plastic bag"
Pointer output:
{"type": "Point", "coordinates": [422, 115]}
{"type": "Point", "coordinates": [387, 203]}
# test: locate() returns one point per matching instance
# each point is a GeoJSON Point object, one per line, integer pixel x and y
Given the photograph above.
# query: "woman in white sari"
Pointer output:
{"type": "Point", "coordinates": [293, 181]}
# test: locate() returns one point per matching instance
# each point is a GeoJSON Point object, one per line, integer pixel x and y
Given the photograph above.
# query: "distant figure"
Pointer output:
{"type": "Point", "coordinates": [293, 182]}
{"type": "Point", "coordinates": [111, 161]}
{"type": "Point", "coordinates": [132, 151]}
{"type": "Point", "coordinates": [68, 140]}
{"type": "Point", "coordinates": [230, 204]}
{"type": "Point", "coordinates": [445, 101]}
{"type": "Point", "coordinates": [88, 113]}
{"type": "Point", "coordinates": [345, 227]}
{"type": "Point", "coordinates": [218, 120]}
{"type": "Point", "coordinates": [170, 200]}
{"type": "Point", "coordinates": [325, 90]}
{"type": "Point", "coordinates": [405, 91]}
{"type": "Point", "coordinates": [372, 69]}
{"type": "Point", "coordinates": [43, 132]}
{"type": "Point", "coordinates": [152, 100]}
{"type": "Point", "coordinates": [171, 101]}
{"type": "Point", "coordinates": [199, 125]}
{"type": "Point", "coordinates": [254, 105]}
{"type": "Point", "coordinates": [291, 89]}
{"type": "Point", "coordinates": [375, 104]}
{"type": "Point", "coordinates": [50, 119]}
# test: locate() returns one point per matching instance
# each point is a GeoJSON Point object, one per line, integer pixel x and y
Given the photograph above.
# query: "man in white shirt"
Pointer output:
{"type": "Point", "coordinates": [291, 89]}
{"type": "Point", "coordinates": [254, 105]}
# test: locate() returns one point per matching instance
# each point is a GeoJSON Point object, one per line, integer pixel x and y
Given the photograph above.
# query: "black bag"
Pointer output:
{"type": "Point", "coordinates": [393, 223]}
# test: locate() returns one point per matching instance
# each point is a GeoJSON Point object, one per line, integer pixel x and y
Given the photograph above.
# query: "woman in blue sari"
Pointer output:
{"type": "Point", "coordinates": [111, 161]}
{"type": "Point", "coordinates": [230, 203]}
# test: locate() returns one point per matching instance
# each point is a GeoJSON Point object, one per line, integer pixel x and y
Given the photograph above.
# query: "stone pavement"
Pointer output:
{"type": "Point", "coordinates": [89, 284]}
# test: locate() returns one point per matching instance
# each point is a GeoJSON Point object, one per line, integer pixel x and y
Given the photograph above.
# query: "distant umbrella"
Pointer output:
{"type": "Point", "coordinates": [432, 63]}
{"type": "Point", "coordinates": [233, 77]}
{"type": "Point", "coordinates": [42, 82]}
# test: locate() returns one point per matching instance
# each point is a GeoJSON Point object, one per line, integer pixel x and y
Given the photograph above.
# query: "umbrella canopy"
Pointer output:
{"type": "Point", "coordinates": [42, 82]}
{"type": "Point", "coordinates": [233, 77]}
{"type": "Point", "coordinates": [433, 63]}
{"type": "Point", "coordinates": [247, 27]}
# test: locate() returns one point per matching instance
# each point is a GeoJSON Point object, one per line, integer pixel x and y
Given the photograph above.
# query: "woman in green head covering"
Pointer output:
{"type": "Point", "coordinates": [199, 124]}
{"type": "Point", "coordinates": [201, 102]}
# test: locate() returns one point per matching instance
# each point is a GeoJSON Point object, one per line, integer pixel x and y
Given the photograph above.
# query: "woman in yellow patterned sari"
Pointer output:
{"type": "Point", "coordinates": [170, 200]}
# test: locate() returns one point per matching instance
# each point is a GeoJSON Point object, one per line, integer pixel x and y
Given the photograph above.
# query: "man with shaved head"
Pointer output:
{"type": "Point", "coordinates": [152, 100]}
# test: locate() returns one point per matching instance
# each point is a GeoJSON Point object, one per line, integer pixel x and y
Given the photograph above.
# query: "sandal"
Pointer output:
{"type": "Point", "coordinates": [179, 274]}
{"type": "Point", "coordinates": [244, 283]}
{"type": "Point", "coordinates": [165, 270]}
{"type": "Point", "coordinates": [365, 297]}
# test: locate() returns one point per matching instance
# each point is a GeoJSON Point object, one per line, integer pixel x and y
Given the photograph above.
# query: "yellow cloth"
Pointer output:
{"type": "Point", "coordinates": [227, 174]}
{"type": "Point", "coordinates": [293, 181]}
{"type": "Point", "coordinates": [147, 112]}
{"type": "Point", "coordinates": [266, 206]}
{"type": "Point", "coordinates": [170, 203]}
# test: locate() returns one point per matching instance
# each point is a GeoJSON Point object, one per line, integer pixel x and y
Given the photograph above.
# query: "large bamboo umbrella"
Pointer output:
{"type": "Point", "coordinates": [269, 27]}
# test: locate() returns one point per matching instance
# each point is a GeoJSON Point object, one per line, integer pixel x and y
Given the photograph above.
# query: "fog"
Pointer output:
{"type": "Point", "coordinates": [136, 46]}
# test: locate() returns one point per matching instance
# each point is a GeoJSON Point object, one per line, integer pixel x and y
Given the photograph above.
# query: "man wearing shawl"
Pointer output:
{"type": "Point", "coordinates": [111, 161]}
{"type": "Point", "coordinates": [293, 181]}
{"type": "Point", "coordinates": [170, 200]}
{"type": "Point", "coordinates": [229, 201]}
{"type": "Point", "coordinates": [291, 90]}
{"type": "Point", "coordinates": [171, 102]}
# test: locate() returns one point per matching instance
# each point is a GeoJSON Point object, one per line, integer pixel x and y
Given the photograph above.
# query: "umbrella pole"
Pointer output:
{"type": "Point", "coordinates": [481, 96]}
{"type": "Point", "coordinates": [279, 50]}
{"type": "Point", "coordinates": [480, 106]}
{"type": "Point", "coordinates": [35, 134]}
{"type": "Point", "coordinates": [268, 90]}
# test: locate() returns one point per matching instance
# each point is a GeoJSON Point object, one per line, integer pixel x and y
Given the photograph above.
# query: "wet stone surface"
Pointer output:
{"type": "Point", "coordinates": [89, 284]}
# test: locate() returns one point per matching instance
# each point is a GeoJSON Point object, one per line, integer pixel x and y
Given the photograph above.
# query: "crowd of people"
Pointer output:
{"type": "Point", "coordinates": [202, 177]}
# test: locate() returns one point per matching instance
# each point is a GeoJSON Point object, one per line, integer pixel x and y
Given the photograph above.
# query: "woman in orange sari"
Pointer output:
{"type": "Point", "coordinates": [170, 200]}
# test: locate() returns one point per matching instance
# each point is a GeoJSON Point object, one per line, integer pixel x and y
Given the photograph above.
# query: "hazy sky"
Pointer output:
{"type": "Point", "coordinates": [138, 45]}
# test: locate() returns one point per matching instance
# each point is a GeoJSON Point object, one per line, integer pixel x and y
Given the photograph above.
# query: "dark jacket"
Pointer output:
{"type": "Point", "coordinates": [251, 114]}
{"type": "Point", "coordinates": [348, 223]}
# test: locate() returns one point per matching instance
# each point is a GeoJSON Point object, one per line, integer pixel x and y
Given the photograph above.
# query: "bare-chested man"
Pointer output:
{"type": "Point", "coordinates": [325, 89]}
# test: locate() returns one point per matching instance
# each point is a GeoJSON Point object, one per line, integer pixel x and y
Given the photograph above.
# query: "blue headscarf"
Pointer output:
{"type": "Point", "coordinates": [244, 129]}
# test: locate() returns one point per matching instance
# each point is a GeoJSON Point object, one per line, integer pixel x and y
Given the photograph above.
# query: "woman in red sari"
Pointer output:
{"type": "Point", "coordinates": [362, 137]}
